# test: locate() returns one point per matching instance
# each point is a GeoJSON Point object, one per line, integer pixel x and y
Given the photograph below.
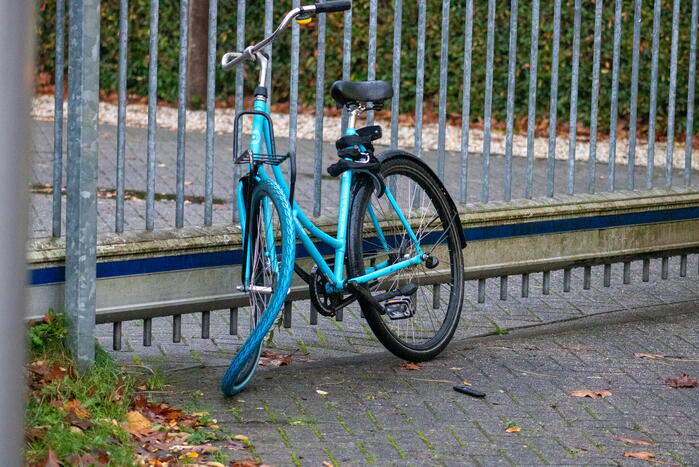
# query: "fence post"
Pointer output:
{"type": "Point", "coordinates": [81, 212]}
{"type": "Point", "coordinates": [15, 82]}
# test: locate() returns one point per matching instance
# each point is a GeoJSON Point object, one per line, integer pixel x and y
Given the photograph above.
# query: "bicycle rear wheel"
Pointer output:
{"type": "Point", "coordinates": [271, 253]}
{"type": "Point", "coordinates": [435, 306]}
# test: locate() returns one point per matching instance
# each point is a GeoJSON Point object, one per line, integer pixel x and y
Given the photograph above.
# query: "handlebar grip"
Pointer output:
{"type": "Point", "coordinates": [336, 5]}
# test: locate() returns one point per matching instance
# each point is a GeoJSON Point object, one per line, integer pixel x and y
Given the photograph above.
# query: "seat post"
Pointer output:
{"type": "Point", "coordinates": [353, 113]}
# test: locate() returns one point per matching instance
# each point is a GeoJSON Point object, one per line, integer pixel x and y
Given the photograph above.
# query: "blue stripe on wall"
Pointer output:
{"type": "Point", "coordinates": [230, 258]}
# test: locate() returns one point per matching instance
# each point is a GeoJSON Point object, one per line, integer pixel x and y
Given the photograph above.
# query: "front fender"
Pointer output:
{"type": "Point", "coordinates": [396, 153]}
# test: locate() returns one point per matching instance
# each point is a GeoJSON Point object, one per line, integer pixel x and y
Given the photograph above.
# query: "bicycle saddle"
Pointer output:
{"type": "Point", "coordinates": [353, 92]}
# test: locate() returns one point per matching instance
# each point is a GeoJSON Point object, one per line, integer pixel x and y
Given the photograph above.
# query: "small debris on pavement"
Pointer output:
{"type": "Point", "coordinates": [684, 381]}
{"type": "Point", "coordinates": [410, 366]}
{"type": "Point", "coordinates": [469, 391]}
{"type": "Point", "coordinates": [590, 394]}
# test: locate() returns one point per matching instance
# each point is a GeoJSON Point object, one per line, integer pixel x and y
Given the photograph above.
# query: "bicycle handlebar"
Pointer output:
{"type": "Point", "coordinates": [231, 59]}
{"type": "Point", "coordinates": [331, 7]}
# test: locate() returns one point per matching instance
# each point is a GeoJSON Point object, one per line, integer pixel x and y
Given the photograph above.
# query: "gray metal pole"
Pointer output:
{"type": "Point", "coordinates": [81, 220]}
{"type": "Point", "coordinates": [15, 84]}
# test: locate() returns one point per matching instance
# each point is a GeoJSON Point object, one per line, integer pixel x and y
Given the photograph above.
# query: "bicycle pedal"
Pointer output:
{"type": "Point", "coordinates": [399, 308]}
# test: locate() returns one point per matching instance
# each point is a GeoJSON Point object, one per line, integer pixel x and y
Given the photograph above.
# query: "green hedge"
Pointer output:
{"type": "Point", "coordinates": [168, 50]}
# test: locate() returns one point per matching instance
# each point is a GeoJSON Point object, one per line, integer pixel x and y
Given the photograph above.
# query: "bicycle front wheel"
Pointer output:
{"type": "Point", "coordinates": [378, 238]}
{"type": "Point", "coordinates": [271, 249]}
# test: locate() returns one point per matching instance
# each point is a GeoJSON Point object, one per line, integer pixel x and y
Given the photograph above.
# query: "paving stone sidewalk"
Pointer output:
{"type": "Point", "coordinates": [376, 413]}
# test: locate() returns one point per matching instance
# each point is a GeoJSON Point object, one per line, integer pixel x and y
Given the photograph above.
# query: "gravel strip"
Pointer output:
{"type": "Point", "coordinates": [137, 115]}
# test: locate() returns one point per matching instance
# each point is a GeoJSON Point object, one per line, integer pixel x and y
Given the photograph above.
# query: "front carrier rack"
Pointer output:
{"type": "Point", "coordinates": [248, 157]}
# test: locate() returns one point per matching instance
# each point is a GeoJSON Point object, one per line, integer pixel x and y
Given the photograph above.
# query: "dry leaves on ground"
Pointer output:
{"type": "Point", "coordinates": [247, 463]}
{"type": "Point", "coordinates": [410, 366]}
{"type": "Point", "coordinates": [269, 358]}
{"type": "Point", "coordinates": [683, 381]}
{"type": "Point", "coordinates": [590, 394]}
{"type": "Point", "coordinates": [638, 442]}
{"type": "Point", "coordinates": [652, 356]}
{"type": "Point", "coordinates": [644, 455]}
{"type": "Point", "coordinates": [513, 429]}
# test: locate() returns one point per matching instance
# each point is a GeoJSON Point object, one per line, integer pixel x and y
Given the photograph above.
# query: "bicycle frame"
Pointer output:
{"type": "Point", "coordinates": [261, 135]}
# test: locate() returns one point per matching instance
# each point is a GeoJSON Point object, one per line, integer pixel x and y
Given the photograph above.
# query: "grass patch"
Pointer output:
{"type": "Point", "coordinates": [74, 415]}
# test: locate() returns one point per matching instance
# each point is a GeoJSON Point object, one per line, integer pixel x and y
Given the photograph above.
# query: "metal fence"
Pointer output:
{"type": "Point", "coordinates": [460, 162]}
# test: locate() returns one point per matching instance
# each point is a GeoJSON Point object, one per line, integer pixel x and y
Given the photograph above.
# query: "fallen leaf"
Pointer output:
{"type": "Point", "coordinates": [326, 464]}
{"type": "Point", "coordinates": [322, 393]}
{"type": "Point", "coordinates": [466, 383]}
{"type": "Point", "coordinates": [590, 394]}
{"type": "Point", "coordinates": [192, 455]}
{"type": "Point", "coordinates": [214, 464]}
{"type": "Point", "coordinates": [76, 407]}
{"type": "Point", "coordinates": [410, 366]}
{"type": "Point", "coordinates": [513, 429]}
{"type": "Point", "coordinates": [644, 455]}
{"type": "Point", "coordinates": [85, 460]}
{"type": "Point", "coordinates": [684, 381]}
{"type": "Point", "coordinates": [648, 355]}
{"type": "Point", "coordinates": [78, 422]}
{"type": "Point", "coordinates": [137, 424]}
{"type": "Point", "coordinates": [269, 358]}
{"type": "Point", "coordinates": [245, 463]}
{"type": "Point", "coordinates": [241, 438]}
{"type": "Point", "coordinates": [51, 459]}
{"type": "Point", "coordinates": [638, 442]}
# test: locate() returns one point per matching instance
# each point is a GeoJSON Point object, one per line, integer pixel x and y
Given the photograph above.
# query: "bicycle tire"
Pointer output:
{"type": "Point", "coordinates": [407, 177]}
{"type": "Point", "coordinates": [264, 308]}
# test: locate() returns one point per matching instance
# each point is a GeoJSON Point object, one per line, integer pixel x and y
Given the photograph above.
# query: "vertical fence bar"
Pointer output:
{"type": "Point", "coordinates": [683, 265]}
{"type": "Point", "coordinates": [443, 65]}
{"type": "Point", "coordinates": [691, 83]}
{"type": "Point", "coordinates": [546, 283]}
{"type": "Point", "coordinates": [371, 59]}
{"type": "Point", "coordinates": [205, 324]}
{"type": "Point", "coordinates": [116, 335]}
{"type": "Point", "coordinates": [239, 90]}
{"type": "Point", "coordinates": [233, 321]}
{"type": "Point", "coordinates": [16, 36]}
{"type": "Point", "coordinates": [346, 57]}
{"type": "Point", "coordinates": [525, 285]}
{"type": "Point", "coordinates": [420, 76]}
{"type": "Point", "coordinates": [320, 102]}
{"type": "Point", "coordinates": [121, 114]}
{"type": "Point", "coordinates": [294, 85]}
{"type": "Point", "coordinates": [574, 99]}
{"type": "Point", "coordinates": [653, 94]}
{"type": "Point", "coordinates": [181, 112]}
{"type": "Point", "coordinates": [147, 332]}
{"type": "Point", "coordinates": [481, 290]}
{"type": "Point", "coordinates": [567, 273]}
{"type": "Point", "coordinates": [176, 328]}
{"type": "Point", "coordinates": [269, 27]}
{"type": "Point", "coordinates": [553, 100]}
{"type": "Point", "coordinates": [58, 119]}
{"type": "Point", "coordinates": [607, 276]}
{"type": "Point", "coordinates": [594, 100]}
{"type": "Point", "coordinates": [670, 150]}
{"type": "Point", "coordinates": [587, 277]}
{"type": "Point", "coordinates": [611, 167]}
{"type": "Point", "coordinates": [210, 114]}
{"type": "Point", "coordinates": [503, 287]}
{"type": "Point", "coordinates": [81, 215]}
{"type": "Point", "coordinates": [531, 112]}
{"type": "Point", "coordinates": [152, 102]}
{"type": "Point", "coordinates": [287, 313]}
{"type": "Point", "coordinates": [627, 272]}
{"type": "Point", "coordinates": [395, 107]}
{"type": "Point", "coordinates": [633, 117]}
{"type": "Point", "coordinates": [664, 267]}
{"type": "Point", "coordinates": [466, 101]}
{"type": "Point", "coordinates": [645, 277]}
{"type": "Point", "coordinates": [488, 101]}
{"type": "Point", "coordinates": [511, 63]}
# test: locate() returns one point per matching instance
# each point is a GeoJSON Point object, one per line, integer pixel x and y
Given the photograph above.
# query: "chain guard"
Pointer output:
{"type": "Point", "coordinates": [325, 303]}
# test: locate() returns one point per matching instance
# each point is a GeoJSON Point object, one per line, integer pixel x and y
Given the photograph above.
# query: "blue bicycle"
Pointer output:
{"type": "Point", "coordinates": [399, 238]}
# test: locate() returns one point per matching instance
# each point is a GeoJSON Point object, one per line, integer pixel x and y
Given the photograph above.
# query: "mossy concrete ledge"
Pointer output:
{"type": "Point", "coordinates": [196, 269]}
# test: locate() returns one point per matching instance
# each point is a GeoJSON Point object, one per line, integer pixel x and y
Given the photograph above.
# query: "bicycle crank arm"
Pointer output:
{"type": "Point", "coordinates": [364, 297]}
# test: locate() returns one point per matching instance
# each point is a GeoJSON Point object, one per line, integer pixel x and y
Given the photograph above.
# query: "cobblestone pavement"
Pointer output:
{"type": "Point", "coordinates": [166, 155]}
{"type": "Point", "coordinates": [376, 413]}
